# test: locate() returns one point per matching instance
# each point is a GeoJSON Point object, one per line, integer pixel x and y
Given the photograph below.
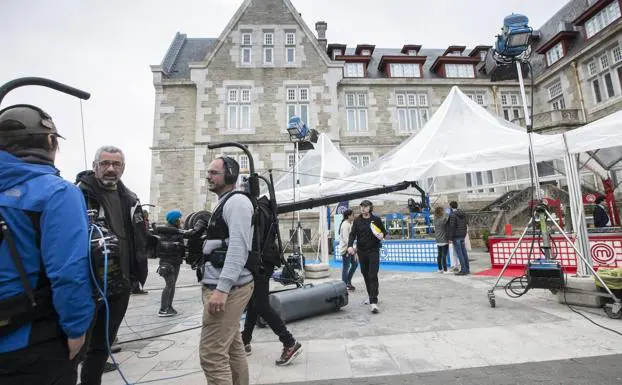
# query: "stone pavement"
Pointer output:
{"type": "Point", "coordinates": [432, 329]}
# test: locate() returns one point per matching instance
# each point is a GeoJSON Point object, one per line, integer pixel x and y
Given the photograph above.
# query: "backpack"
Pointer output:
{"type": "Point", "coordinates": [265, 232]}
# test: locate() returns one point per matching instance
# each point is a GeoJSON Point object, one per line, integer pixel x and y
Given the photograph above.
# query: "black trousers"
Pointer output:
{"type": "Point", "coordinates": [259, 305]}
{"type": "Point", "coordinates": [441, 259]}
{"type": "Point", "coordinates": [97, 350]}
{"type": "Point", "coordinates": [46, 363]}
{"type": "Point", "coordinates": [370, 264]}
{"type": "Point", "coordinates": [169, 289]}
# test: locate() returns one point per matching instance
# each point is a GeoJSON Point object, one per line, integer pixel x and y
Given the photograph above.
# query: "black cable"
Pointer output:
{"type": "Point", "coordinates": [586, 317]}
{"type": "Point", "coordinates": [158, 335]}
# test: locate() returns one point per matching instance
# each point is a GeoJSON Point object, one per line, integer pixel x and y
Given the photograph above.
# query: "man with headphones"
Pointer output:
{"type": "Point", "coordinates": [368, 230]}
{"type": "Point", "coordinates": [227, 277]}
{"type": "Point", "coordinates": [45, 287]}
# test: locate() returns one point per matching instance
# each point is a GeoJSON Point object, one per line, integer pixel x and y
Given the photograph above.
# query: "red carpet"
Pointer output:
{"type": "Point", "coordinates": [509, 272]}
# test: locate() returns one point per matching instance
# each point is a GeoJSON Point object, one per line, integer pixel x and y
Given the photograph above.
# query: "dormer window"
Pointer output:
{"type": "Point", "coordinates": [354, 70]}
{"type": "Point", "coordinates": [405, 70]}
{"type": "Point", "coordinates": [554, 54]}
{"type": "Point", "coordinates": [459, 71]}
{"type": "Point", "coordinates": [412, 52]}
{"type": "Point", "coordinates": [454, 53]}
{"type": "Point", "coordinates": [365, 52]}
{"type": "Point", "coordinates": [598, 16]}
{"type": "Point", "coordinates": [482, 55]}
{"type": "Point", "coordinates": [336, 53]}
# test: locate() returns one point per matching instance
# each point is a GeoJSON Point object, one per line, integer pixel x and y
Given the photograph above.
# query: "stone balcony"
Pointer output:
{"type": "Point", "coordinates": [554, 120]}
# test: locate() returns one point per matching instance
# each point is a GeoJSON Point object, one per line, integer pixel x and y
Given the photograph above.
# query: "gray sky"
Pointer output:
{"type": "Point", "coordinates": [106, 47]}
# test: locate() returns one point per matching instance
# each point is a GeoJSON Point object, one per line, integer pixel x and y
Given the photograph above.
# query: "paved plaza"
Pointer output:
{"type": "Point", "coordinates": [432, 329]}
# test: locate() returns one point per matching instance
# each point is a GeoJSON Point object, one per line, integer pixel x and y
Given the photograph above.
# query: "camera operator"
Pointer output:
{"type": "Point", "coordinates": [227, 277]}
{"type": "Point", "coordinates": [119, 211]}
{"type": "Point", "coordinates": [171, 251]}
{"type": "Point", "coordinates": [45, 289]}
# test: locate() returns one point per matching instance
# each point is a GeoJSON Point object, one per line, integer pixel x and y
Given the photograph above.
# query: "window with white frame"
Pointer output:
{"type": "Point", "coordinates": [291, 157]}
{"type": "Point", "coordinates": [297, 100]}
{"type": "Point", "coordinates": [290, 38]}
{"type": "Point", "coordinates": [354, 70]}
{"type": "Point", "coordinates": [405, 70]}
{"type": "Point", "coordinates": [238, 109]}
{"type": "Point", "coordinates": [602, 70]}
{"type": "Point", "coordinates": [361, 160]}
{"type": "Point", "coordinates": [356, 112]}
{"type": "Point", "coordinates": [477, 97]}
{"type": "Point", "coordinates": [475, 179]}
{"type": "Point", "coordinates": [247, 38]}
{"type": "Point", "coordinates": [512, 106]}
{"type": "Point", "coordinates": [268, 49]}
{"type": "Point", "coordinates": [290, 55]}
{"type": "Point", "coordinates": [336, 53]}
{"type": "Point", "coordinates": [268, 55]}
{"type": "Point", "coordinates": [556, 97]}
{"type": "Point", "coordinates": [459, 71]}
{"type": "Point", "coordinates": [412, 111]}
{"type": "Point", "coordinates": [602, 19]}
{"type": "Point", "coordinates": [365, 52]}
{"type": "Point", "coordinates": [246, 48]}
{"type": "Point", "coordinates": [554, 54]}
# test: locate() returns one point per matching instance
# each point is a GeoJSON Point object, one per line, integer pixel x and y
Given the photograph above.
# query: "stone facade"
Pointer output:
{"type": "Point", "coordinates": [268, 64]}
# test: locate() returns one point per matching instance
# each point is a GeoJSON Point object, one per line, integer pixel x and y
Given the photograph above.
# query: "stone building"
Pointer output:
{"type": "Point", "coordinates": [268, 65]}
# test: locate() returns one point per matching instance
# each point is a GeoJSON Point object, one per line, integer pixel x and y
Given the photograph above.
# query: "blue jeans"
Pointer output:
{"type": "Point", "coordinates": [349, 262]}
{"type": "Point", "coordinates": [461, 253]}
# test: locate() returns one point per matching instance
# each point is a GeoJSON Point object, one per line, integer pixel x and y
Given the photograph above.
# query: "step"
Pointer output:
{"type": "Point", "coordinates": [581, 299]}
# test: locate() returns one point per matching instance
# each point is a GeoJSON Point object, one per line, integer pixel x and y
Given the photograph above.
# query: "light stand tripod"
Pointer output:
{"type": "Point", "coordinates": [541, 212]}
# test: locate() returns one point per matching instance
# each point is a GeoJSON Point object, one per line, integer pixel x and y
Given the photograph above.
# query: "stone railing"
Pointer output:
{"type": "Point", "coordinates": [554, 119]}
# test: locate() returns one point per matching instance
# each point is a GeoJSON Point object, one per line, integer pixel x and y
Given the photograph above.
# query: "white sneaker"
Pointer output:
{"type": "Point", "coordinates": [366, 302]}
{"type": "Point", "coordinates": [374, 308]}
{"type": "Point", "coordinates": [440, 271]}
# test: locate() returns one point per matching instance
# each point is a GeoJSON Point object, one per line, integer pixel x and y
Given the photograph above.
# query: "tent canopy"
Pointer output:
{"type": "Point", "coordinates": [460, 137]}
{"type": "Point", "coordinates": [318, 166]}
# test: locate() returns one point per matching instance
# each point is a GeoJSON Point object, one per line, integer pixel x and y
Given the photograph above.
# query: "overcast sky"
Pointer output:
{"type": "Point", "coordinates": [106, 47]}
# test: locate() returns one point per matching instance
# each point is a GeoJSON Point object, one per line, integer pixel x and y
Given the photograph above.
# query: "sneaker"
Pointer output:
{"type": "Point", "coordinates": [165, 313]}
{"type": "Point", "coordinates": [440, 271]}
{"type": "Point", "coordinates": [350, 287]}
{"type": "Point", "coordinates": [172, 310]}
{"type": "Point", "coordinates": [247, 349]}
{"type": "Point", "coordinates": [366, 302]}
{"type": "Point", "coordinates": [460, 273]}
{"type": "Point", "coordinates": [139, 291]}
{"type": "Point", "coordinates": [289, 354]}
{"type": "Point", "coordinates": [109, 367]}
{"type": "Point", "coordinates": [374, 308]}
{"type": "Point", "coordinates": [115, 349]}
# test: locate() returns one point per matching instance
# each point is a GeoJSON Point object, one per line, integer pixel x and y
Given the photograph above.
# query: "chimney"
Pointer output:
{"type": "Point", "coordinates": [321, 27]}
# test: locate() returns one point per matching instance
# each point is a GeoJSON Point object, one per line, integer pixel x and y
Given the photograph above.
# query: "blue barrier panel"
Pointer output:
{"type": "Point", "coordinates": [404, 251]}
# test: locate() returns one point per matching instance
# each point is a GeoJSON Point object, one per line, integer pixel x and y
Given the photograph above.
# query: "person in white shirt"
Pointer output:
{"type": "Point", "coordinates": [350, 262]}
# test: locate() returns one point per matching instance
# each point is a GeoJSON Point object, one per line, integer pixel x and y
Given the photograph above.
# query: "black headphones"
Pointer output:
{"type": "Point", "coordinates": [232, 169]}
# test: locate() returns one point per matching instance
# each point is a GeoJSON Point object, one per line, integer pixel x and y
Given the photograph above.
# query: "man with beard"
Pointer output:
{"type": "Point", "coordinates": [227, 277]}
{"type": "Point", "coordinates": [118, 210]}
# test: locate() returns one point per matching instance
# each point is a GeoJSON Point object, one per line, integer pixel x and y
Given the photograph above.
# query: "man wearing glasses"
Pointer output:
{"type": "Point", "coordinates": [114, 207]}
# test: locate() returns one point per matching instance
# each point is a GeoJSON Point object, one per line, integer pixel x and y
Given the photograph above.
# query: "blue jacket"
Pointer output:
{"type": "Point", "coordinates": [64, 243]}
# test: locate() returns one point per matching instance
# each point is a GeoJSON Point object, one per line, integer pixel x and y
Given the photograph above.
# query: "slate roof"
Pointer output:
{"type": "Point", "coordinates": [184, 50]}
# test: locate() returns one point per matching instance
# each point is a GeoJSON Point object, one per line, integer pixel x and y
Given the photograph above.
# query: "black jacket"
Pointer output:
{"type": "Point", "coordinates": [601, 218]}
{"type": "Point", "coordinates": [457, 225]}
{"type": "Point", "coordinates": [361, 232]}
{"type": "Point", "coordinates": [135, 225]}
{"type": "Point", "coordinates": [170, 247]}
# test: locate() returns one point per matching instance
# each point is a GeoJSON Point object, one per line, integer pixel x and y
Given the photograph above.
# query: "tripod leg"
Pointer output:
{"type": "Point", "coordinates": [507, 263]}
{"type": "Point", "coordinates": [588, 264]}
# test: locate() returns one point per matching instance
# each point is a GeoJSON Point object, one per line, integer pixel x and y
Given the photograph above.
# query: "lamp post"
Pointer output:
{"type": "Point", "coordinates": [513, 46]}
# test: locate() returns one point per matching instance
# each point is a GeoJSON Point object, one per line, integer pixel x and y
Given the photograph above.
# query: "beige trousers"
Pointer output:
{"type": "Point", "coordinates": [222, 355]}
